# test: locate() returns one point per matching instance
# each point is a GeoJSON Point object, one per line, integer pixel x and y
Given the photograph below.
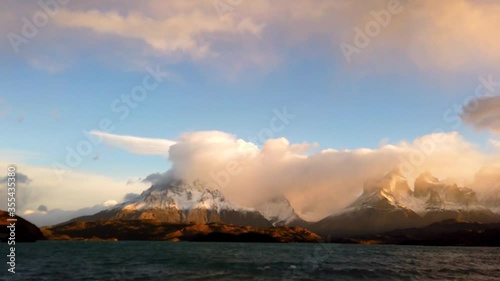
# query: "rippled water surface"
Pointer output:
{"type": "Point", "coordinates": [59, 260]}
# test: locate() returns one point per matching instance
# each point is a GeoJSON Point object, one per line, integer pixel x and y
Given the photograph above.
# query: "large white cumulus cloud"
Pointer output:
{"type": "Point", "coordinates": [316, 183]}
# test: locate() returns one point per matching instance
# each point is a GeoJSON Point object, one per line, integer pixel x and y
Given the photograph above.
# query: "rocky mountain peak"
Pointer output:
{"type": "Point", "coordinates": [181, 195]}
{"type": "Point", "coordinates": [388, 203]}
{"type": "Point", "coordinates": [277, 210]}
{"type": "Point", "coordinates": [440, 193]}
{"type": "Point", "coordinates": [426, 182]}
{"type": "Point", "coordinates": [393, 183]}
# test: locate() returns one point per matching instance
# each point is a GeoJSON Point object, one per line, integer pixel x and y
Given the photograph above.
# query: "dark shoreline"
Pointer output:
{"type": "Point", "coordinates": [450, 233]}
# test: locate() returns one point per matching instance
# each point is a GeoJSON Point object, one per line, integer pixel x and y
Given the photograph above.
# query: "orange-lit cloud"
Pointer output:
{"type": "Point", "coordinates": [436, 36]}
{"type": "Point", "coordinates": [320, 183]}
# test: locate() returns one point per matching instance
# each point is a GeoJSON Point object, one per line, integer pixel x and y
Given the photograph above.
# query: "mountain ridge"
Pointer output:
{"type": "Point", "coordinates": [386, 204]}
{"type": "Point", "coordinates": [181, 202]}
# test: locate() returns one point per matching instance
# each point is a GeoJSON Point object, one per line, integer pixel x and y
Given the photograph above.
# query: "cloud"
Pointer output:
{"type": "Point", "coordinates": [454, 35]}
{"type": "Point", "coordinates": [495, 143]}
{"type": "Point", "coordinates": [484, 114]}
{"type": "Point", "coordinates": [46, 64]}
{"type": "Point", "coordinates": [137, 145]}
{"type": "Point", "coordinates": [110, 203]}
{"type": "Point", "coordinates": [14, 156]}
{"type": "Point", "coordinates": [156, 178]}
{"type": "Point", "coordinates": [184, 33]}
{"type": "Point", "coordinates": [76, 190]}
{"type": "Point", "coordinates": [57, 216]}
{"type": "Point", "coordinates": [20, 178]}
{"type": "Point", "coordinates": [130, 197]}
{"type": "Point", "coordinates": [445, 36]}
{"type": "Point", "coordinates": [317, 184]}
{"type": "Point", "coordinates": [487, 184]}
{"type": "Point", "coordinates": [42, 208]}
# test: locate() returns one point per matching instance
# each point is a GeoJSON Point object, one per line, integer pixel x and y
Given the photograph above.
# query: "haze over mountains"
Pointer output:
{"type": "Point", "coordinates": [385, 204]}
{"type": "Point", "coordinates": [389, 204]}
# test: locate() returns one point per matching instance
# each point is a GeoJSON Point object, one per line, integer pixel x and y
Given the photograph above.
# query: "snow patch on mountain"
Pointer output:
{"type": "Point", "coordinates": [392, 193]}
{"type": "Point", "coordinates": [181, 196]}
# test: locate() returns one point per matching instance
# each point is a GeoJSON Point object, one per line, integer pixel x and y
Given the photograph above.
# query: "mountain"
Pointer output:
{"type": "Point", "coordinates": [378, 209]}
{"type": "Point", "coordinates": [491, 200]}
{"type": "Point", "coordinates": [386, 204]}
{"type": "Point", "coordinates": [389, 203]}
{"type": "Point", "coordinates": [24, 230]}
{"type": "Point", "coordinates": [279, 212]}
{"type": "Point", "coordinates": [488, 180]}
{"type": "Point", "coordinates": [180, 202]}
{"type": "Point", "coordinates": [444, 201]}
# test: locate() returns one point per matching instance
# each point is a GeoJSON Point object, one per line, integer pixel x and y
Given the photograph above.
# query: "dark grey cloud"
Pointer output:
{"type": "Point", "coordinates": [158, 178]}
{"type": "Point", "coordinates": [20, 178]}
{"type": "Point", "coordinates": [42, 208]}
{"type": "Point", "coordinates": [483, 114]}
{"type": "Point", "coordinates": [130, 197]}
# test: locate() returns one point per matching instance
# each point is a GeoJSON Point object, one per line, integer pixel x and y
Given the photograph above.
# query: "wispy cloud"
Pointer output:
{"type": "Point", "coordinates": [136, 145]}
{"type": "Point", "coordinates": [182, 32]}
{"type": "Point", "coordinates": [15, 156]}
{"type": "Point", "coordinates": [44, 216]}
{"type": "Point", "coordinates": [46, 64]}
{"type": "Point", "coordinates": [495, 143]}
{"type": "Point", "coordinates": [77, 190]}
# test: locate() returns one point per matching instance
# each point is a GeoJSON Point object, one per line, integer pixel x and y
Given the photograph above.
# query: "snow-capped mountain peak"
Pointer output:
{"type": "Point", "coordinates": [182, 202]}
{"type": "Point", "coordinates": [392, 184]}
{"type": "Point", "coordinates": [181, 196]}
{"type": "Point", "coordinates": [392, 192]}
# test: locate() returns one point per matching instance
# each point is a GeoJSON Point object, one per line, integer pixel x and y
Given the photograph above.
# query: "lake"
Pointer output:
{"type": "Point", "coordinates": [73, 260]}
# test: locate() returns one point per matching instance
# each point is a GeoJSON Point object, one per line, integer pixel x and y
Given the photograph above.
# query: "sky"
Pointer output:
{"type": "Point", "coordinates": [95, 96]}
